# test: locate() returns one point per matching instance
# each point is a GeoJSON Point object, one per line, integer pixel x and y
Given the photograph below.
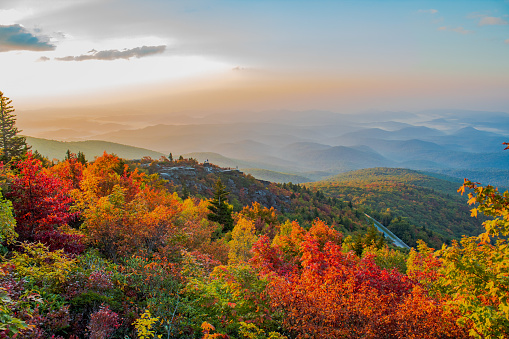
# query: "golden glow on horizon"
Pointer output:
{"type": "Point", "coordinates": [255, 90]}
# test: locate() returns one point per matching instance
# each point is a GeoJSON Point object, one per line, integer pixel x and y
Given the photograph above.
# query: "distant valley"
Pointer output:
{"type": "Point", "coordinates": [285, 146]}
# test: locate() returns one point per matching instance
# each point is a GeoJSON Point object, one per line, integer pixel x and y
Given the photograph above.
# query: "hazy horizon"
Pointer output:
{"type": "Point", "coordinates": [200, 57]}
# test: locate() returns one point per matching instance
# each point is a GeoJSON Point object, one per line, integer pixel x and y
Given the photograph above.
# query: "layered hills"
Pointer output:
{"type": "Point", "coordinates": [285, 146]}
{"type": "Point", "coordinates": [53, 149]}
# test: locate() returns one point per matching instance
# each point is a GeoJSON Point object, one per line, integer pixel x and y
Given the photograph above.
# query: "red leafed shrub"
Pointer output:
{"type": "Point", "coordinates": [99, 281]}
{"type": "Point", "coordinates": [267, 258]}
{"type": "Point", "coordinates": [41, 205]}
{"type": "Point", "coordinates": [103, 323]}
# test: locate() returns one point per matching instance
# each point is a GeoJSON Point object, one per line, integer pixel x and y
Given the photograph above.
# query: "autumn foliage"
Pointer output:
{"type": "Point", "coordinates": [102, 249]}
{"type": "Point", "coordinates": [42, 202]}
{"type": "Point", "coordinates": [336, 294]}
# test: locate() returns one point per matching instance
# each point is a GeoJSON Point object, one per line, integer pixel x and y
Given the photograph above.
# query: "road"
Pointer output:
{"type": "Point", "coordinates": [388, 234]}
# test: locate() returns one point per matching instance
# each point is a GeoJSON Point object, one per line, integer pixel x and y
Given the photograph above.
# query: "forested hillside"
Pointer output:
{"type": "Point", "coordinates": [292, 202]}
{"type": "Point", "coordinates": [413, 205]}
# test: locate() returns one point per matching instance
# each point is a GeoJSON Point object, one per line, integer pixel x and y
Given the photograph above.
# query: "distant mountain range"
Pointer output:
{"type": "Point", "coordinates": [316, 144]}
{"type": "Point", "coordinates": [53, 149]}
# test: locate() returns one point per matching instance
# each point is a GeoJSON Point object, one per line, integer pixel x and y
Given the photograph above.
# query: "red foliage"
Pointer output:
{"type": "Point", "coordinates": [41, 203]}
{"type": "Point", "coordinates": [337, 295]}
{"type": "Point", "coordinates": [103, 323]}
{"type": "Point", "coordinates": [269, 259]}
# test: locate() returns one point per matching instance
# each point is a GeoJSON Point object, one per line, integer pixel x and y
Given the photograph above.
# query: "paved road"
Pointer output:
{"type": "Point", "coordinates": [388, 234]}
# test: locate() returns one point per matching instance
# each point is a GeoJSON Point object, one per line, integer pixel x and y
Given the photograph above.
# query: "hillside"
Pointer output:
{"type": "Point", "coordinates": [53, 149]}
{"type": "Point", "coordinates": [274, 176]}
{"type": "Point", "coordinates": [188, 177]}
{"type": "Point", "coordinates": [411, 204]}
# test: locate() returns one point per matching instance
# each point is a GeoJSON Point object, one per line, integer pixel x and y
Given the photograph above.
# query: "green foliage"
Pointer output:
{"type": "Point", "coordinates": [7, 222]}
{"type": "Point", "coordinates": [411, 204]}
{"type": "Point", "coordinates": [231, 295]}
{"type": "Point", "coordinates": [42, 268]}
{"type": "Point", "coordinates": [9, 324]}
{"type": "Point", "coordinates": [371, 239]}
{"type": "Point", "coordinates": [251, 331]}
{"type": "Point", "coordinates": [388, 258]}
{"type": "Point", "coordinates": [11, 144]}
{"type": "Point", "coordinates": [158, 282]}
{"type": "Point", "coordinates": [221, 211]}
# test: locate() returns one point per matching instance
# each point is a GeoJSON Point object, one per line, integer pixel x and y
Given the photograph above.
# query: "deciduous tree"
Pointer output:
{"type": "Point", "coordinates": [41, 204]}
{"type": "Point", "coordinates": [475, 271]}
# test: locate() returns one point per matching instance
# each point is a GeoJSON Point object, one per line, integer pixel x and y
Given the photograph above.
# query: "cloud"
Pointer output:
{"type": "Point", "coordinates": [492, 21]}
{"type": "Point", "coordinates": [430, 11]}
{"type": "Point", "coordinates": [507, 41]}
{"type": "Point", "coordinates": [17, 38]}
{"type": "Point", "coordinates": [459, 29]}
{"type": "Point", "coordinates": [114, 54]}
{"type": "Point", "coordinates": [43, 58]}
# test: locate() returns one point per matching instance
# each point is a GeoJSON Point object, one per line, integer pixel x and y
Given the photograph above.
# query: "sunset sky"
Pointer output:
{"type": "Point", "coordinates": [343, 56]}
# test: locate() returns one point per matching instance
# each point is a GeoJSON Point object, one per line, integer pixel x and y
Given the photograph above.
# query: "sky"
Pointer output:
{"type": "Point", "coordinates": [168, 56]}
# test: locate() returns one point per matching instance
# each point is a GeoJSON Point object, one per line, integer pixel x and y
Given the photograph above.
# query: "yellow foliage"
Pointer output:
{"type": "Point", "coordinates": [243, 238]}
{"type": "Point", "coordinates": [43, 266]}
{"type": "Point", "coordinates": [144, 326]}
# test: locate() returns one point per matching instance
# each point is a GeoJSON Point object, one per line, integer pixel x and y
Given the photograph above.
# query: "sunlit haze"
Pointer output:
{"type": "Point", "coordinates": [197, 56]}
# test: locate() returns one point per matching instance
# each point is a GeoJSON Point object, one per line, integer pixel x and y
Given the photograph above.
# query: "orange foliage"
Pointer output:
{"type": "Point", "coordinates": [207, 328]}
{"type": "Point", "coordinates": [200, 231]}
{"type": "Point", "coordinates": [323, 233]}
{"type": "Point", "coordinates": [70, 171]}
{"type": "Point", "coordinates": [107, 171]}
{"type": "Point", "coordinates": [337, 295]}
{"type": "Point", "coordinates": [123, 215]}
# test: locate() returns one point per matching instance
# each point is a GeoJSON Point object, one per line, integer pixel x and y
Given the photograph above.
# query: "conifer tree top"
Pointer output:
{"type": "Point", "coordinates": [11, 144]}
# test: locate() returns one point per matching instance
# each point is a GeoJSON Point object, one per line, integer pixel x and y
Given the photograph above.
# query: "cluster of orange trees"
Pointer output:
{"type": "Point", "coordinates": [99, 250]}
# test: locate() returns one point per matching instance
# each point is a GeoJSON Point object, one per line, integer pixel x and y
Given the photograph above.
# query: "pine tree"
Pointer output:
{"type": "Point", "coordinates": [10, 143]}
{"type": "Point", "coordinates": [81, 158]}
{"type": "Point", "coordinates": [221, 210]}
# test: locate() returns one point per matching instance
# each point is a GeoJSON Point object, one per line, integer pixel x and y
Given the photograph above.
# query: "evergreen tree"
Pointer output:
{"type": "Point", "coordinates": [185, 192]}
{"type": "Point", "coordinates": [81, 158]}
{"type": "Point", "coordinates": [170, 157]}
{"type": "Point", "coordinates": [221, 210]}
{"type": "Point", "coordinates": [11, 144]}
